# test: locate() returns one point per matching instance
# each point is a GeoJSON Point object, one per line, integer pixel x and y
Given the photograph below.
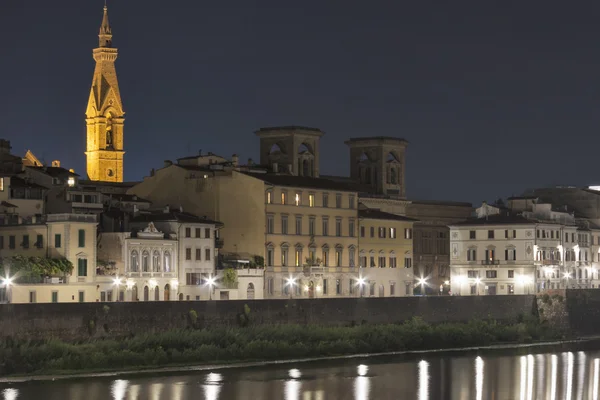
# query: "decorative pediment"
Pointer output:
{"type": "Point", "coordinates": [150, 232]}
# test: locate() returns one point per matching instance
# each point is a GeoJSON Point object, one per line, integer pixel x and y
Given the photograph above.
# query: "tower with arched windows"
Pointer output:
{"type": "Point", "coordinates": [104, 113]}
{"type": "Point", "coordinates": [290, 149]}
{"type": "Point", "coordinates": [378, 162]}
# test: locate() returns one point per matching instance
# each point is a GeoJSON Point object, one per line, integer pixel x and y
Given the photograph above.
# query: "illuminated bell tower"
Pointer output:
{"type": "Point", "coordinates": [105, 115]}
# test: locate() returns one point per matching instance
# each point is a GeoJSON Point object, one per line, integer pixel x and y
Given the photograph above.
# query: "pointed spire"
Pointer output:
{"type": "Point", "coordinates": [105, 31]}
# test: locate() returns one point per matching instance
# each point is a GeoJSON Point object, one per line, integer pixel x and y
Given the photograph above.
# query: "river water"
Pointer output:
{"type": "Point", "coordinates": [569, 374]}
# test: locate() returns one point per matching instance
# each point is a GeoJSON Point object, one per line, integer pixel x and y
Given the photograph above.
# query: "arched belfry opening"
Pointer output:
{"type": "Point", "coordinates": [290, 149]}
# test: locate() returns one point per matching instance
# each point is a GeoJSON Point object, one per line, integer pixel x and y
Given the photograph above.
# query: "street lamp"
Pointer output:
{"type": "Point", "coordinates": [7, 282]}
{"type": "Point", "coordinates": [477, 282]}
{"type": "Point", "coordinates": [117, 282]}
{"type": "Point", "coordinates": [290, 283]}
{"type": "Point", "coordinates": [459, 281]}
{"type": "Point", "coordinates": [210, 282]}
{"type": "Point", "coordinates": [361, 283]}
{"type": "Point", "coordinates": [422, 282]}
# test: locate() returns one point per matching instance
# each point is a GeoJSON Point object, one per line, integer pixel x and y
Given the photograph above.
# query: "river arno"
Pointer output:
{"type": "Point", "coordinates": [571, 373]}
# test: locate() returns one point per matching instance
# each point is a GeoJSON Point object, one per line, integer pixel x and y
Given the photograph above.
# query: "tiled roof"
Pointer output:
{"type": "Point", "coordinates": [127, 197]}
{"type": "Point", "coordinates": [55, 172]}
{"type": "Point", "coordinates": [172, 216]}
{"type": "Point", "coordinates": [301, 181]}
{"type": "Point", "coordinates": [16, 182]}
{"type": "Point", "coordinates": [500, 219]}
{"type": "Point", "coordinates": [372, 213]}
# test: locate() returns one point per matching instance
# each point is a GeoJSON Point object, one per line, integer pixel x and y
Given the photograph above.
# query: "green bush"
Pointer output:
{"type": "Point", "coordinates": [257, 342]}
{"type": "Point", "coordinates": [546, 298]}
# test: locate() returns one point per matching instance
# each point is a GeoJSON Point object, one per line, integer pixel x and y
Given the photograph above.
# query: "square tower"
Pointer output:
{"type": "Point", "coordinates": [292, 149]}
{"type": "Point", "coordinates": [378, 162]}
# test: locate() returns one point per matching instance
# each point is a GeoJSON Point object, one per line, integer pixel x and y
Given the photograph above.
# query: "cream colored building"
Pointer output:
{"type": "Point", "coordinates": [69, 236]}
{"type": "Point", "coordinates": [386, 253]}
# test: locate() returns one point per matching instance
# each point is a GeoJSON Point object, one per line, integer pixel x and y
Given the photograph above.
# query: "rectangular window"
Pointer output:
{"type": "Point", "coordinates": [269, 197]}
{"type": "Point", "coordinates": [298, 225]}
{"type": "Point", "coordinates": [351, 201]}
{"type": "Point", "coordinates": [381, 261]}
{"type": "Point", "coordinates": [362, 231]}
{"type": "Point", "coordinates": [81, 296]}
{"type": "Point", "coordinates": [382, 232]}
{"type": "Point", "coordinates": [207, 233]}
{"type": "Point", "coordinates": [324, 286]}
{"type": "Point", "coordinates": [351, 284]}
{"type": "Point", "coordinates": [11, 242]}
{"type": "Point", "coordinates": [566, 237]}
{"type": "Point", "coordinates": [32, 296]}
{"type": "Point", "coordinates": [491, 274]}
{"type": "Point", "coordinates": [298, 199]}
{"type": "Point", "coordinates": [472, 235]}
{"type": "Point", "coordinates": [371, 288]}
{"type": "Point", "coordinates": [393, 262]}
{"type": "Point", "coordinates": [311, 200]}
{"type": "Point", "coordinates": [270, 257]}
{"type": "Point", "coordinates": [81, 238]}
{"type": "Point", "coordinates": [283, 197]}
{"type": "Point", "coordinates": [325, 258]}
{"type": "Point", "coordinates": [490, 255]}
{"type": "Point", "coordinates": [198, 254]}
{"type": "Point", "coordinates": [188, 253]}
{"type": "Point", "coordinates": [57, 240]}
{"type": "Point", "coordinates": [325, 226]}
{"type": "Point", "coordinates": [407, 289]}
{"type": "Point", "coordinates": [122, 295]}
{"type": "Point", "coordinates": [325, 200]}
{"type": "Point", "coordinates": [338, 227]}
{"type": "Point", "coordinates": [206, 254]}
{"type": "Point", "coordinates": [270, 286]}
{"type": "Point", "coordinates": [25, 243]}
{"type": "Point", "coordinates": [197, 232]}
{"type": "Point", "coordinates": [372, 261]}
{"type": "Point", "coordinates": [270, 224]}
{"type": "Point", "coordinates": [1, 184]}
{"type": "Point", "coordinates": [103, 297]}
{"type": "Point", "coordinates": [1, 240]}
{"type": "Point", "coordinates": [109, 296]}
{"type": "Point", "coordinates": [39, 241]}
{"type": "Point", "coordinates": [511, 289]}
{"type": "Point", "coordinates": [188, 232]}
{"type": "Point", "coordinates": [471, 255]}
{"type": "Point", "coordinates": [372, 231]}
{"type": "Point", "coordinates": [284, 224]}
{"type": "Point", "coordinates": [82, 267]}
{"type": "Point", "coordinates": [311, 226]}
{"type": "Point", "coordinates": [408, 233]}
{"type": "Point", "coordinates": [338, 200]}
{"type": "Point", "coordinates": [338, 286]}
{"type": "Point", "coordinates": [55, 297]}
{"type": "Point", "coordinates": [392, 233]}
{"type": "Point", "coordinates": [351, 228]}
{"type": "Point", "coordinates": [298, 257]}
{"type": "Point", "coordinates": [511, 273]}
{"type": "Point", "coordinates": [284, 256]}
{"type": "Point", "coordinates": [351, 256]}
{"type": "Point", "coordinates": [490, 234]}
{"type": "Point", "coordinates": [572, 238]}
{"type": "Point", "coordinates": [392, 288]}
{"type": "Point", "coordinates": [338, 258]}
{"type": "Point", "coordinates": [407, 262]}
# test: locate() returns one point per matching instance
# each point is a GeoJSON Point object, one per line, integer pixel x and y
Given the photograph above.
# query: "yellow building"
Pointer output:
{"type": "Point", "coordinates": [385, 253]}
{"type": "Point", "coordinates": [55, 236]}
{"type": "Point", "coordinates": [105, 115]}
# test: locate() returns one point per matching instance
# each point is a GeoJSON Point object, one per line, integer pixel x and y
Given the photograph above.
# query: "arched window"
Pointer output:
{"type": "Point", "coordinates": [167, 263]}
{"type": "Point", "coordinates": [325, 256]}
{"type": "Point", "coordinates": [146, 293]}
{"type": "Point", "coordinates": [298, 256]}
{"type": "Point", "coordinates": [156, 261]}
{"type": "Point", "coordinates": [393, 263]}
{"type": "Point", "coordinates": [145, 261]}
{"type": "Point", "coordinates": [284, 254]}
{"type": "Point", "coordinates": [338, 255]}
{"type": "Point", "coordinates": [393, 175]}
{"type": "Point", "coordinates": [362, 259]}
{"type": "Point", "coordinates": [270, 255]}
{"type": "Point", "coordinates": [134, 264]}
{"type": "Point", "coordinates": [250, 291]}
{"type": "Point", "coordinates": [381, 259]}
{"type": "Point", "coordinates": [352, 256]}
{"type": "Point", "coordinates": [167, 293]}
{"type": "Point", "coordinates": [372, 259]}
{"type": "Point", "coordinates": [156, 294]}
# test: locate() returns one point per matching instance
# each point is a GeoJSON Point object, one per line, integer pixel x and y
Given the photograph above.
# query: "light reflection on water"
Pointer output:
{"type": "Point", "coordinates": [561, 376]}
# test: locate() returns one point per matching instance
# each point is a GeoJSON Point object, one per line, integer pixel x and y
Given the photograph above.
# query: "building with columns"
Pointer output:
{"type": "Point", "coordinates": [104, 114]}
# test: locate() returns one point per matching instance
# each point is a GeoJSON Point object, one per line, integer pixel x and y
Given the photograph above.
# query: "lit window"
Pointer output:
{"type": "Point", "coordinates": [297, 199]}
{"type": "Point", "coordinates": [71, 181]}
{"type": "Point", "coordinates": [1, 184]}
{"type": "Point", "coordinates": [269, 197]}
{"type": "Point", "coordinates": [283, 197]}
{"type": "Point", "coordinates": [392, 233]}
{"type": "Point", "coordinates": [311, 200]}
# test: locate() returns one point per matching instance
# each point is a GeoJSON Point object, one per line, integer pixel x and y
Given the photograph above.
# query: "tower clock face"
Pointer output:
{"type": "Point", "coordinates": [110, 173]}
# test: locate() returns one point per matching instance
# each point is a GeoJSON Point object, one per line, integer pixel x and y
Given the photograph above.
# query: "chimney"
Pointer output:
{"type": "Point", "coordinates": [275, 168]}
{"type": "Point", "coordinates": [235, 160]}
{"type": "Point", "coordinates": [5, 146]}
{"type": "Point", "coordinates": [152, 172]}
{"type": "Point", "coordinates": [168, 163]}
{"type": "Point", "coordinates": [56, 164]}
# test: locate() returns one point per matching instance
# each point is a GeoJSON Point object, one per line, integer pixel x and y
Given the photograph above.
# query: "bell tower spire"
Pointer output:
{"type": "Point", "coordinates": [105, 115]}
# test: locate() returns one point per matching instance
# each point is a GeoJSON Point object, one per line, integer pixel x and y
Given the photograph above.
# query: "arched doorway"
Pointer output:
{"type": "Point", "coordinates": [250, 291]}
{"type": "Point", "coordinates": [311, 289]}
{"type": "Point", "coordinates": [145, 293]}
{"type": "Point", "coordinates": [134, 294]}
{"type": "Point", "coordinates": [167, 292]}
{"type": "Point", "coordinates": [156, 294]}
{"type": "Point", "coordinates": [180, 296]}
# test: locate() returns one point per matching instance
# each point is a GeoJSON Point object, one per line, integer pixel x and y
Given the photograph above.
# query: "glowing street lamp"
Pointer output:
{"type": "Point", "coordinates": [361, 283]}
{"type": "Point", "coordinates": [422, 282]}
{"type": "Point", "coordinates": [477, 282]}
{"type": "Point", "coordinates": [210, 282]}
{"type": "Point", "coordinates": [117, 282]}
{"type": "Point", "coordinates": [290, 283]}
{"type": "Point", "coordinates": [459, 281]}
{"type": "Point", "coordinates": [7, 282]}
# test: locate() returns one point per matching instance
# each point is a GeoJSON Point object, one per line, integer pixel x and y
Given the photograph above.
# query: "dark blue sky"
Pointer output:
{"type": "Point", "coordinates": [494, 96]}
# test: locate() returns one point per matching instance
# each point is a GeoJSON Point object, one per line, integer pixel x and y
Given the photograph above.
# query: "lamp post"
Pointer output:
{"type": "Point", "coordinates": [8, 283]}
{"type": "Point", "coordinates": [290, 283]}
{"type": "Point", "coordinates": [361, 284]}
{"type": "Point", "coordinates": [210, 282]}
{"type": "Point", "coordinates": [117, 282]}
{"type": "Point", "coordinates": [422, 282]}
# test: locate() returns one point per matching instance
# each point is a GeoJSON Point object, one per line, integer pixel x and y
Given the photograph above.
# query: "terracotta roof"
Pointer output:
{"type": "Point", "coordinates": [55, 172]}
{"type": "Point", "coordinates": [372, 213]}
{"type": "Point", "coordinates": [172, 216]}
{"type": "Point", "coordinates": [501, 219]}
{"type": "Point", "coordinates": [301, 181]}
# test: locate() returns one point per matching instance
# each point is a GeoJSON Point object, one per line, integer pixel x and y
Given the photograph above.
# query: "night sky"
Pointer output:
{"type": "Point", "coordinates": [494, 96]}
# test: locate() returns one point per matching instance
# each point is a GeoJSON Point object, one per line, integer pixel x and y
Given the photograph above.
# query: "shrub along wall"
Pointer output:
{"type": "Point", "coordinates": [84, 320]}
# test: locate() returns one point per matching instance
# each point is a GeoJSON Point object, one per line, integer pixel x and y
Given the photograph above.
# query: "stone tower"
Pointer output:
{"type": "Point", "coordinates": [105, 115]}
{"type": "Point", "coordinates": [290, 149]}
{"type": "Point", "coordinates": [378, 162]}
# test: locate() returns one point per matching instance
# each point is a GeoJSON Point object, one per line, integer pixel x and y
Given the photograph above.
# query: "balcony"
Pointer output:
{"type": "Point", "coordinates": [71, 218]}
{"type": "Point", "coordinates": [490, 262]}
{"type": "Point", "coordinates": [550, 262]}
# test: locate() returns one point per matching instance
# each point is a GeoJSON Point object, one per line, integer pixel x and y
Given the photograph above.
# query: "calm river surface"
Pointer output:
{"type": "Point", "coordinates": [497, 375]}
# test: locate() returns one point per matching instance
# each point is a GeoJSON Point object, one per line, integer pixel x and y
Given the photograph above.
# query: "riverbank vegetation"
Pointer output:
{"type": "Point", "coordinates": [257, 343]}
